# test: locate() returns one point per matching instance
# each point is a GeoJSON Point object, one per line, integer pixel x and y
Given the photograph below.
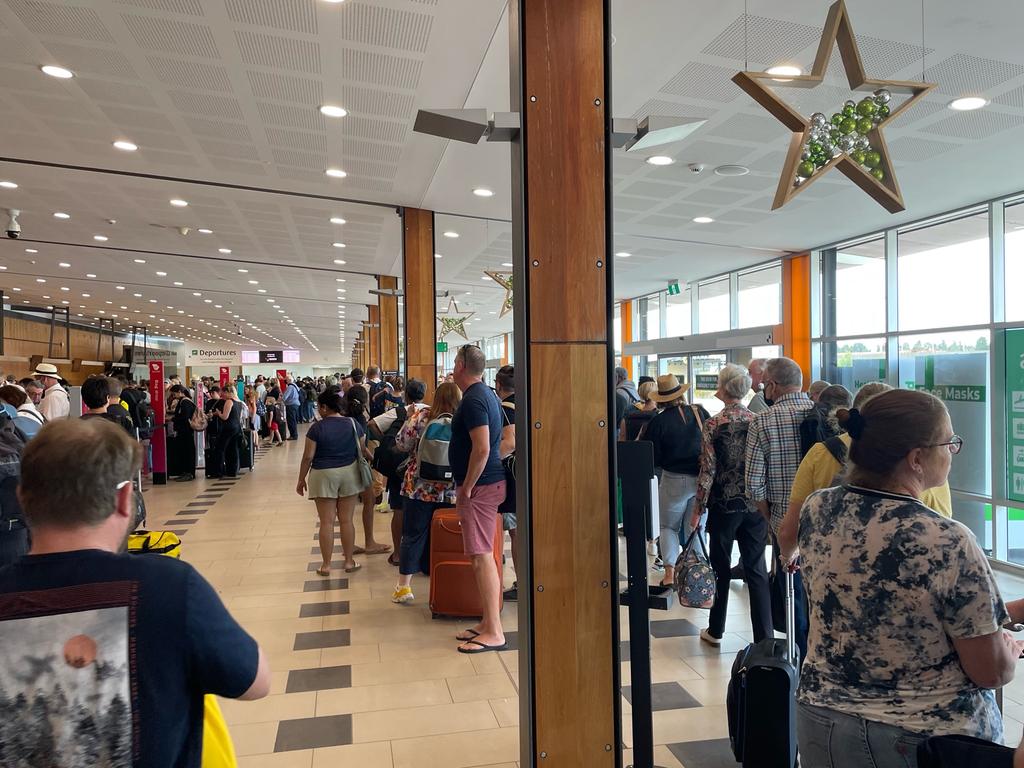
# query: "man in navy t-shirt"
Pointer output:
{"type": "Point", "coordinates": [474, 453]}
{"type": "Point", "coordinates": [105, 657]}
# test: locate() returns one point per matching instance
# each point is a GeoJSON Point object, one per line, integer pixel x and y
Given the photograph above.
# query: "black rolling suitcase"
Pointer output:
{"type": "Point", "coordinates": [761, 700]}
{"type": "Point", "coordinates": [246, 450]}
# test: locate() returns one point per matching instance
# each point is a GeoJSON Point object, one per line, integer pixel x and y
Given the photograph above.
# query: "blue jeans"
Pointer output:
{"type": "Point", "coordinates": [675, 507]}
{"type": "Point", "coordinates": [832, 739]}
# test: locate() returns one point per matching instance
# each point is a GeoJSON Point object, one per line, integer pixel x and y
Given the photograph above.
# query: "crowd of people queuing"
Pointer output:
{"type": "Point", "coordinates": [899, 621]}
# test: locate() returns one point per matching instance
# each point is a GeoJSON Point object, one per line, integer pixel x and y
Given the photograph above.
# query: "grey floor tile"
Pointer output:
{"type": "Point", "coordinates": [624, 650]}
{"type": "Point", "coordinates": [186, 522]}
{"type": "Point", "coordinates": [316, 550]}
{"type": "Point", "coordinates": [192, 512]}
{"type": "Point", "coordinates": [715, 753]}
{"type": "Point", "coordinates": [322, 585]}
{"type": "Point", "coordinates": [336, 608]}
{"type": "Point", "coordinates": [674, 628]}
{"type": "Point", "coordinates": [330, 638]}
{"type": "Point", "coordinates": [322, 679]}
{"type": "Point", "coordinates": [313, 733]}
{"type": "Point", "coordinates": [666, 696]}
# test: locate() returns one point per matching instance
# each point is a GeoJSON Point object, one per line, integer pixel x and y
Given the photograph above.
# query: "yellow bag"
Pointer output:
{"type": "Point", "coordinates": [218, 749]}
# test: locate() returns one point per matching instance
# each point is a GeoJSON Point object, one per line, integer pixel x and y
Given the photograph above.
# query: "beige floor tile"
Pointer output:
{"type": "Point", "coordinates": [710, 666]}
{"type": "Point", "coordinates": [458, 665]}
{"type": "Point", "coordinates": [289, 659]}
{"type": "Point", "coordinates": [253, 738]}
{"type": "Point", "coordinates": [421, 721]}
{"type": "Point", "coordinates": [506, 711]}
{"type": "Point", "coordinates": [480, 687]}
{"type": "Point", "coordinates": [457, 750]}
{"type": "Point", "coordinates": [697, 724]}
{"type": "Point", "coordinates": [371, 698]}
{"type": "Point", "coordinates": [351, 654]}
{"type": "Point", "coordinates": [285, 706]}
{"type": "Point", "coordinates": [298, 759]}
{"type": "Point", "coordinates": [487, 663]}
{"type": "Point", "coordinates": [377, 755]}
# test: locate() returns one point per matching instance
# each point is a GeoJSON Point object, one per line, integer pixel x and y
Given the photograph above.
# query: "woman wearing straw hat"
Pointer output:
{"type": "Point", "coordinates": [676, 435]}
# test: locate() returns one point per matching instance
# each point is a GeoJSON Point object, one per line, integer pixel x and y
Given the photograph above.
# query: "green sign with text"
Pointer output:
{"type": "Point", "coordinates": [442, 346]}
{"type": "Point", "coordinates": [1015, 414]}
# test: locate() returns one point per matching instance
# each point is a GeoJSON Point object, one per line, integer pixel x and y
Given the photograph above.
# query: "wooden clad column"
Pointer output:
{"type": "Point", "coordinates": [420, 302]}
{"type": "Point", "coordinates": [626, 325]}
{"type": "Point", "coordinates": [373, 335]}
{"type": "Point", "coordinates": [388, 331]}
{"type": "Point", "coordinates": [796, 312]}
{"type": "Point", "coordinates": [568, 579]}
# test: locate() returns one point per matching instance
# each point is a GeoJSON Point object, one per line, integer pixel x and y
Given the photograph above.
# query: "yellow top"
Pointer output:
{"type": "Point", "coordinates": [819, 467]}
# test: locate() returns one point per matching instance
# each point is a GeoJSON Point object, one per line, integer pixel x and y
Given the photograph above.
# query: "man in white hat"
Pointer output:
{"type": "Point", "coordinates": [55, 403]}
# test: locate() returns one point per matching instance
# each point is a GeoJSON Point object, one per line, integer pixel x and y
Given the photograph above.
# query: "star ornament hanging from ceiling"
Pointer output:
{"type": "Point", "coordinates": [852, 141]}
{"type": "Point", "coordinates": [453, 321]}
{"type": "Point", "coordinates": [504, 279]}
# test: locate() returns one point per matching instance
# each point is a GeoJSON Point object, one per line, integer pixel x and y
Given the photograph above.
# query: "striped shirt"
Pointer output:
{"type": "Point", "coordinates": [773, 453]}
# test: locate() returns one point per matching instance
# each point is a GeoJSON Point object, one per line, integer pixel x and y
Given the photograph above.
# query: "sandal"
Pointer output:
{"type": "Point", "coordinates": [354, 568]}
{"type": "Point", "coordinates": [393, 560]}
{"type": "Point", "coordinates": [482, 648]}
{"type": "Point", "coordinates": [380, 549]}
{"type": "Point", "coordinates": [469, 635]}
{"type": "Point", "coordinates": [323, 571]}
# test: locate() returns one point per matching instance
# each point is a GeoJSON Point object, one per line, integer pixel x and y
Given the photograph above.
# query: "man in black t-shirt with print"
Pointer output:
{"type": "Point", "coordinates": [475, 457]}
{"type": "Point", "coordinates": [107, 656]}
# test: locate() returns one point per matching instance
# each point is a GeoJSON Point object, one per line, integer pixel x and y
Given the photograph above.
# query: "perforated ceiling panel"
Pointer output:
{"type": "Point", "coordinates": [697, 80]}
{"type": "Point", "coordinates": [761, 39]}
{"type": "Point", "coordinates": [962, 74]}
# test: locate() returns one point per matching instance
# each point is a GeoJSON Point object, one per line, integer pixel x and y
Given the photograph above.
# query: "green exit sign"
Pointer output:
{"type": "Point", "coordinates": [442, 346]}
{"type": "Point", "coordinates": [673, 289]}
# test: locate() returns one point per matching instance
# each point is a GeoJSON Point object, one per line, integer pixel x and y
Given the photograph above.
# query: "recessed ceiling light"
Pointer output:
{"type": "Point", "coordinates": [61, 215]}
{"type": "Point", "coordinates": [244, 271]}
{"type": "Point", "coordinates": [64, 265]}
{"type": "Point", "coordinates": [140, 261]}
{"type": "Point", "coordinates": [136, 295]}
{"type": "Point", "coordinates": [337, 220]}
{"type": "Point", "coordinates": [485, 277]}
{"type": "Point", "coordinates": [58, 72]}
{"type": "Point", "coordinates": [100, 238]}
{"type": "Point", "coordinates": [438, 256]}
{"type": "Point", "coordinates": [451, 234]}
{"type": "Point", "coordinates": [205, 231]}
{"type": "Point", "coordinates": [732, 170]}
{"type": "Point", "coordinates": [126, 146]}
{"type": "Point", "coordinates": [40, 280]}
{"type": "Point", "coordinates": [703, 220]}
{"type": "Point", "coordinates": [967, 103]}
{"type": "Point", "coordinates": [8, 185]}
{"type": "Point", "coordinates": [340, 261]}
{"type": "Point", "coordinates": [254, 282]}
{"type": "Point", "coordinates": [623, 254]}
{"type": "Point", "coordinates": [261, 290]}
{"type": "Point", "coordinates": [483, 192]}
{"type": "Point", "coordinates": [179, 203]}
{"type": "Point", "coordinates": [119, 287]}
{"type": "Point", "coordinates": [338, 245]}
{"type": "Point", "coordinates": [330, 110]}
{"type": "Point", "coordinates": [336, 173]}
{"type": "Point", "coordinates": [784, 70]}
{"type": "Point", "coordinates": [506, 264]}
{"type": "Point", "coordinates": [660, 160]}
{"type": "Point", "coordinates": [223, 250]}
{"type": "Point", "coordinates": [90, 275]}
{"type": "Point", "coordinates": [31, 250]}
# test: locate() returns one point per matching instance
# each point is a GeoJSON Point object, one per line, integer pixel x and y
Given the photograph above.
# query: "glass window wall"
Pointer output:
{"type": "Point", "coordinates": [678, 314]}
{"type": "Point", "coordinates": [759, 297]}
{"type": "Point", "coordinates": [859, 289]}
{"type": "Point", "coordinates": [713, 306]}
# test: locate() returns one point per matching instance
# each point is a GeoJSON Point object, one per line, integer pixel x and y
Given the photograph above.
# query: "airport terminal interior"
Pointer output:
{"type": "Point", "coordinates": [254, 192]}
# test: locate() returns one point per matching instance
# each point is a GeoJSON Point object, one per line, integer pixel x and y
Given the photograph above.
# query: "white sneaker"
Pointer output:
{"type": "Point", "coordinates": [707, 637]}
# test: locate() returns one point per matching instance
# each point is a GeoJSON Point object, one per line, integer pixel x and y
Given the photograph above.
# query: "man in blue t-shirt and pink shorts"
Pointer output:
{"type": "Point", "coordinates": [480, 483]}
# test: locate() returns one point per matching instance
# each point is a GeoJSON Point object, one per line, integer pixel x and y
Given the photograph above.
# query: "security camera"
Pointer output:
{"type": "Point", "coordinates": [696, 168]}
{"type": "Point", "coordinates": [13, 227]}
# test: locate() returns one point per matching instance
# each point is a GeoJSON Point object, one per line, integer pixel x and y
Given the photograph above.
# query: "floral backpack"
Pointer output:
{"type": "Point", "coordinates": [694, 577]}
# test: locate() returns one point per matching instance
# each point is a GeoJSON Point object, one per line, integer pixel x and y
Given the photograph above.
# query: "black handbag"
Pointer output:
{"type": "Point", "coordinates": [962, 752]}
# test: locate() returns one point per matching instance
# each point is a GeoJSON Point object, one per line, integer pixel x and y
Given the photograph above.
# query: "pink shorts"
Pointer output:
{"type": "Point", "coordinates": [479, 518]}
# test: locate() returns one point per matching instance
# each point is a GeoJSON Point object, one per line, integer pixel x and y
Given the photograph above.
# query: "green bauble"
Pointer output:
{"type": "Point", "coordinates": [858, 156]}
{"type": "Point", "coordinates": [805, 169]}
{"type": "Point", "coordinates": [820, 160]}
{"type": "Point", "coordinates": [837, 118]}
{"type": "Point", "coordinates": [850, 110]}
{"type": "Point", "coordinates": [835, 134]}
{"type": "Point", "coordinates": [878, 173]}
{"type": "Point", "coordinates": [866, 108]}
{"type": "Point", "coordinates": [864, 125]}
{"type": "Point", "coordinates": [849, 125]}
{"type": "Point", "coordinates": [815, 147]}
{"type": "Point", "coordinates": [872, 159]}
{"type": "Point", "coordinates": [883, 111]}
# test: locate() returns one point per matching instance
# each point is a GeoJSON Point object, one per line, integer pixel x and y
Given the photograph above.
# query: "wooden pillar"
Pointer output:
{"type": "Point", "coordinates": [568, 576]}
{"type": "Point", "coordinates": [626, 326]}
{"type": "Point", "coordinates": [388, 331]}
{"type": "Point", "coordinates": [506, 341]}
{"type": "Point", "coordinates": [373, 335]}
{"type": "Point", "coordinates": [420, 302]}
{"type": "Point", "coordinates": [796, 312]}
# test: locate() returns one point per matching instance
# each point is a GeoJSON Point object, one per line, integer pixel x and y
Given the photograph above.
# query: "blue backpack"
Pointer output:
{"type": "Point", "coordinates": [432, 452]}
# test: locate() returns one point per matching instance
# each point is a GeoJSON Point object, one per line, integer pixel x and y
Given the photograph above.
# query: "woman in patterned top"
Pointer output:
{"type": "Point", "coordinates": [421, 497]}
{"type": "Point", "coordinates": [906, 635]}
{"type": "Point", "coordinates": [731, 515]}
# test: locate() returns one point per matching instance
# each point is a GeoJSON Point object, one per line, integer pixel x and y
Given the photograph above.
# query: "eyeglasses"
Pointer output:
{"type": "Point", "coordinates": [955, 444]}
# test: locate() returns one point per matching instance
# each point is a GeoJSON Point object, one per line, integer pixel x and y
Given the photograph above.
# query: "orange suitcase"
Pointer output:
{"type": "Point", "coordinates": [453, 589]}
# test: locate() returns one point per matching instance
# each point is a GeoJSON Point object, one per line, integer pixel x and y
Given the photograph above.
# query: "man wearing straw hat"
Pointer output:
{"type": "Point", "coordinates": [55, 403]}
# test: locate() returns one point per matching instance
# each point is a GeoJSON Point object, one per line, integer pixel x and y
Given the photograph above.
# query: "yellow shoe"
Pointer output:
{"type": "Point", "coordinates": [402, 595]}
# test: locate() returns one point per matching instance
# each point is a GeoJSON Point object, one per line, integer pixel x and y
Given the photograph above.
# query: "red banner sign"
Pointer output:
{"type": "Point", "coordinates": [282, 379]}
{"type": "Point", "coordinates": [225, 376]}
{"type": "Point", "coordinates": [159, 439]}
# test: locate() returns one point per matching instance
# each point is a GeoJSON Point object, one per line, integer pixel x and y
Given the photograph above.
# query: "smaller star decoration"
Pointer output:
{"type": "Point", "coordinates": [453, 321]}
{"type": "Point", "coordinates": [504, 279]}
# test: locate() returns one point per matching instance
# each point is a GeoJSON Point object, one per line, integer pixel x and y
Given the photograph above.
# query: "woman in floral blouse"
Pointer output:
{"type": "Point", "coordinates": [731, 515]}
{"type": "Point", "coordinates": [421, 497]}
{"type": "Point", "coordinates": [906, 636]}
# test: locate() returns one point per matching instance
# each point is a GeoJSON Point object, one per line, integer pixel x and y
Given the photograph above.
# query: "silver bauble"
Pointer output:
{"type": "Point", "coordinates": [806, 154]}
{"type": "Point", "coordinates": [882, 96]}
{"type": "Point", "coordinates": [850, 103]}
{"type": "Point", "coordinates": [847, 143]}
{"type": "Point", "coordinates": [798, 181]}
{"type": "Point", "coordinates": [836, 151]}
{"type": "Point", "coordinates": [819, 120]}
{"type": "Point", "coordinates": [863, 143]}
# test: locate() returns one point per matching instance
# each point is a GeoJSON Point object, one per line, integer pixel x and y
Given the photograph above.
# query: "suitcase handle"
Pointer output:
{"type": "Point", "coordinates": [790, 617]}
{"type": "Point", "coordinates": [452, 526]}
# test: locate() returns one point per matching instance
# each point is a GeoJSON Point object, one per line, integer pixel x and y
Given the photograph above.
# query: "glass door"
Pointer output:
{"type": "Point", "coordinates": [678, 365]}
{"type": "Point", "coordinates": [705, 367]}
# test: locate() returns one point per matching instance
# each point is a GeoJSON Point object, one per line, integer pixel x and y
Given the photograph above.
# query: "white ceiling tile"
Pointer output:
{"type": "Point", "coordinates": [285, 15]}
{"type": "Point", "coordinates": [153, 33]}
{"type": "Point", "coordinates": [61, 20]}
{"type": "Point", "coordinates": [278, 52]}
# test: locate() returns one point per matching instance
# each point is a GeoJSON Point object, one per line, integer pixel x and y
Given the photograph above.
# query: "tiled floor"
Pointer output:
{"type": "Point", "coordinates": [360, 681]}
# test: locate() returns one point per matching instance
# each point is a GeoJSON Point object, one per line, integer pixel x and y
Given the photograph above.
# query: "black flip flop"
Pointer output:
{"type": "Point", "coordinates": [483, 648]}
{"type": "Point", "coordinates": [471, 632]}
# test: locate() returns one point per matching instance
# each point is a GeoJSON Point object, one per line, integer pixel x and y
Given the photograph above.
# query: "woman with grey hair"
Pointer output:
{"type": "Point", "coordinates": [731, 515]}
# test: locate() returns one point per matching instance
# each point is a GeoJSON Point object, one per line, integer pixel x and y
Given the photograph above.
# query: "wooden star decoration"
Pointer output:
{"type": "Point", "coordinates": [504, 279]}
{"type": "Point", "coordinates": [838, 31]}
{"type": "Point", "coordinates": [453, 321]}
